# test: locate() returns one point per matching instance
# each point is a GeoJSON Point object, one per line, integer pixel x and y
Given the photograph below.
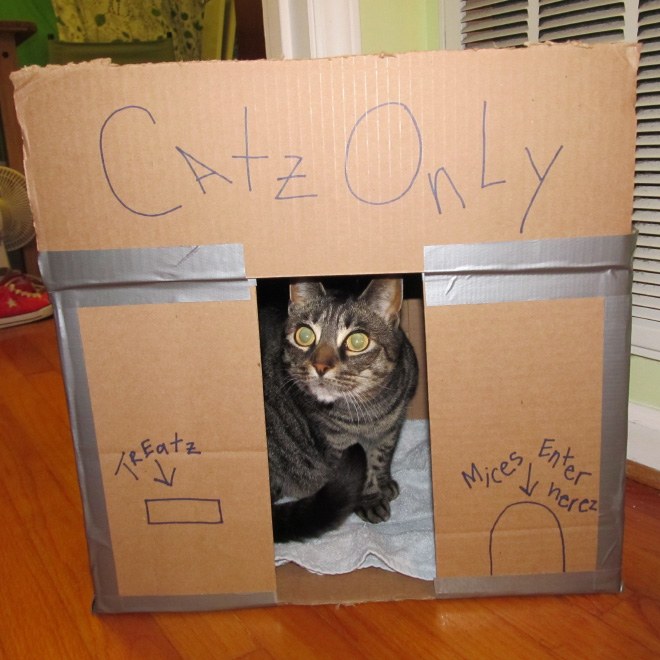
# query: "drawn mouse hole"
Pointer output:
{"type": "Point", "coordinates": [533, 526]}
{"type": "Point", "coordinates": [360, 541]}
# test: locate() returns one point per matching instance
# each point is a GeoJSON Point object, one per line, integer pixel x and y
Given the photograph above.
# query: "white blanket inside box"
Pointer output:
{"type": "Point", "coordinates": [496, 184]}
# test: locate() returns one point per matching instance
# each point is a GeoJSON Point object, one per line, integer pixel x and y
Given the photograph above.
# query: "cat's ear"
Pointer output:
{"type": "Point", "coordinates": [302, 292]}
{"type": "Point", "coordinates": [385, 297]}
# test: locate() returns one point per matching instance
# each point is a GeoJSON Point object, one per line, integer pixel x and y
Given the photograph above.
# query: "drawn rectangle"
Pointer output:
{"type": "Point", "coordinates": [183, 511]}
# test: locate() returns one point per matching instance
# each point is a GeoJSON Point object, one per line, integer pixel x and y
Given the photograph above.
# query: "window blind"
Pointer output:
{"type": "Point", "coordinates": [585, 20]}
{"type": "Point", "coordinates": [490, 23]}
{"type": "Point", "coordinates": [646, 215]}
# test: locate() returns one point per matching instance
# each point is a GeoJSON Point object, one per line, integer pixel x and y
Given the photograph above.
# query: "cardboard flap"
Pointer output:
{"type": "Point", "coordinates": [515, 399]}
{"type": "Point", "coordinates": [171, 388]}
{"type": "Point", "coordinates": [363, 161]}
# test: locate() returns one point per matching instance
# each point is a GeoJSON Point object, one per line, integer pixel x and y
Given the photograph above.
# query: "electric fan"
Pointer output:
{"type": "Point", "coordinates": [16, 228]}
{"type": "Point", "coordinates": [23, 297]}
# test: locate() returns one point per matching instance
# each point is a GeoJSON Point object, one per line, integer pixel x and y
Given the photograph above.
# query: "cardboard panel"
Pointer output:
{"type": "Point", "coordinates": [515, 396]}
{"type": "Point", "coordinates": [412, 323]}
{"type": "Point", "coordinates": [295, 585]}
{"type": "Point", "coordinates": [175, 392]}
{"type": "Point", "coordinates": [348, 165]}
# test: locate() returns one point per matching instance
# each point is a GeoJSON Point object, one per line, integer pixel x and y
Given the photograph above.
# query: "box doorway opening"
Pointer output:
{"type": "Point", "coordinates": [404, 544]}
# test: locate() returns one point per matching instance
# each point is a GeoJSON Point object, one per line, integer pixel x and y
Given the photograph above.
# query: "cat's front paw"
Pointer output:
{"type": "Point", "coordinates": [375, 507]}
{"type": "Point", "coordinates": [374, 510]}
{"type": "Point", "coordinates": [390, 490]}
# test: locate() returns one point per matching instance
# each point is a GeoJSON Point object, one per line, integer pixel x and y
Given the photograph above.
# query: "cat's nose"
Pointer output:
{"type": "Point", "coordinates": [323, 358]}
{"type": "Point", "coordinates": [322, 368]}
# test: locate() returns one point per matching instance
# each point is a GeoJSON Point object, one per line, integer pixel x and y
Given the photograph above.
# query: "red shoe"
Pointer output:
{"type": "Point", "coordinates": [23, 299]}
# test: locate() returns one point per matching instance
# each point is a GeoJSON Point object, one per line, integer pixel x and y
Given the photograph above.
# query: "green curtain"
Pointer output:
{"type": "Point", "coordinates": [35, 49]}
{"type": "Point", "coordinates": [109, 21]}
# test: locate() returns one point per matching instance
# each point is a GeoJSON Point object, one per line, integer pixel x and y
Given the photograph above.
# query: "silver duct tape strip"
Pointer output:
{"type": "Point", "coordinates": [604, 581]}
{"type": "Point", "coordinates": [179, 603]}
{"type": "Point", "coordinates": [151, 293]}
{"type": "Point", "coordinates": [442, 290]}
{"type": "Point", "coordinates": [546, 254]}
{"type": "Point", "coordinates": [82, 269]}
{"type": "Point", "coordinates": [99, 544]}
{"type": "Point", "coordinates": [527, 270]}
{"type": "Point", "coordinates": [614, 430]}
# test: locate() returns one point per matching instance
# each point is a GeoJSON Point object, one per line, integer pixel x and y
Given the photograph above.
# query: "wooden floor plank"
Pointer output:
{"type": "Point", "coordinates": [297, 632]}
{"type": "Point", "coordinates": [569, 632]}
{"type": "Point", "coordinates": [45, 606]}
{"type": "Point", "coordinates": [215, 634]}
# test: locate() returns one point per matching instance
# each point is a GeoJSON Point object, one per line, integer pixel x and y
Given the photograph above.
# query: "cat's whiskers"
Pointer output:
{"type": "Point", "coordinates": [375, 381]}
{"type": "Point", "coordinates": [367, 410]}
{"type": "Point", "coordinates": [360, 404]}
{"type": "Point", "coordinates": [290, 384]}
{"type": "Point", "coordinates": [351, 404]}
{"type": "Point", "coordinates": [373, 407]}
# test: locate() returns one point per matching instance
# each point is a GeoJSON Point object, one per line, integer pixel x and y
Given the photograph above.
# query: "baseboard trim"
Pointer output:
{"type": "Point", "coordinates": [644, 436]}
{"type": "Point", "coordinates": [643, 474]}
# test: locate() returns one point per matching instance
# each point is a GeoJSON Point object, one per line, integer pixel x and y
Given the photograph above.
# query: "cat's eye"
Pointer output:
{"type": "Point", "coordinates": [357, 342]}
{"type": "Point", "coordinates": [304, 336]}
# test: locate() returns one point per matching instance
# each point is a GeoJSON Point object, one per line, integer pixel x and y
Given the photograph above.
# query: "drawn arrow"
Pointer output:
{"type": "Point", "coordinates": [163, 478]}
{"type": "Point", "coordinates": [529, 488]}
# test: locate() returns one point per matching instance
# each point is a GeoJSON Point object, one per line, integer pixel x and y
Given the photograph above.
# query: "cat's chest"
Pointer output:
{"type": "Point", "coordinates": [340, 441]}
{"type": "Point", "coordinates": [339, 433]}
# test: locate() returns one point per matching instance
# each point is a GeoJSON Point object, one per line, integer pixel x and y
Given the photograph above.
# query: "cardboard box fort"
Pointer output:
{"type": "Point", "coordinates": [163, 193]}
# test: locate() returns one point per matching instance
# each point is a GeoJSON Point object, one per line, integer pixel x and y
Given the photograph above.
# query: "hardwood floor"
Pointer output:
{"type": "Point", "coordinates": [45, 587]}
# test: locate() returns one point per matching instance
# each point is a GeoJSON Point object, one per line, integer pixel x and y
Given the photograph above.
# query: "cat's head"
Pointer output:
{"type": "Point", "coordinates": [343, 349]}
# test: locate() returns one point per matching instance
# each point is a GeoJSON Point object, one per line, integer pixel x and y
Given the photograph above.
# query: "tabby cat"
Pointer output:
{"type": "Point", "coordinates": [338, 375]}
